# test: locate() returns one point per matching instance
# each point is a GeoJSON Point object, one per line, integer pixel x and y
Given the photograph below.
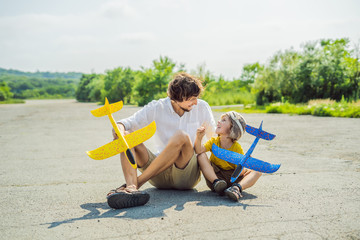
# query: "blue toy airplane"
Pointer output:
{"type": "Point", "coordinates": [245, 160]}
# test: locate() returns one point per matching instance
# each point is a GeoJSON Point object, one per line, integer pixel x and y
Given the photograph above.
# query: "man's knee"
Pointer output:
{"type": "Point", "coordinates": [179, 139]}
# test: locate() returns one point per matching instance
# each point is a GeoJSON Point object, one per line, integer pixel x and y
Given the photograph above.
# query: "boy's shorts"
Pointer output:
{"type": "Point", "coordinates": [175, 178]}
{"type": "Point", "coordinates": [226, 176]}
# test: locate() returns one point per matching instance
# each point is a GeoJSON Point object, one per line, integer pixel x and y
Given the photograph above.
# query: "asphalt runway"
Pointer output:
{"type": "Point", "coordinates": [50, 188]}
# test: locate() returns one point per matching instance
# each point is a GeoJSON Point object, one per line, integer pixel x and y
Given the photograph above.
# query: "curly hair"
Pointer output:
{"type": "Point", "coordinates": [184, 86]}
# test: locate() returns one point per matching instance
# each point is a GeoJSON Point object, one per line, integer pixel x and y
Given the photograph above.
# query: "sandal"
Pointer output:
{"type": "Point", "coordinates": [234, 192]}
{"type": "Point", "coordinates": [117, 190]}
{"type": "Point", "coordinates": [219, 186]}
{"type": "Point", "coordinates": [127, 199]}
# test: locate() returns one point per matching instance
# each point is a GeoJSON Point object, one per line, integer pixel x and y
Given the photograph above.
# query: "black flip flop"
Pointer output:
{"type": "Point", "coordinates": [126, 200]}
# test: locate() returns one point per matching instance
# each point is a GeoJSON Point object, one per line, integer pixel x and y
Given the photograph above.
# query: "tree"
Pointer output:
{"type": "Point", "coordinates": [83, 91]}
{"type": "Point", "coordinates": [152, 83]}
{"type": "Point", "coordinates": [118, 84]}
{"type": "Point", "coordinates": [250, 72]}
{"type": "Point", "coordinates": [96, 87]}
{"type": "Point", "coordinates": [267, 84]}
{"type": "Point", "coordinates": [204, 75]}
{"type": "Point", "coordinates": [353, 70]}
{"type": "Point", "coordinates": [5, 92]}
{"type": "Point", "coordinates": [323, 69]}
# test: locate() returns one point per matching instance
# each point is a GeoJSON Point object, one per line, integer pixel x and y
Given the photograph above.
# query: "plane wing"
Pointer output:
{"type": "Point", "coordinates": [229, 156]}
{"type": "Point", "coordinates": [117, 146]}
{"type": "Point", "coordinates": [260, 166]}
{"type": "Point", "coordinates": [108, 150]}
{"type": "Point", "coordinates": [135, 138]}
{"type": "Point", "coordinates": [251, 163]}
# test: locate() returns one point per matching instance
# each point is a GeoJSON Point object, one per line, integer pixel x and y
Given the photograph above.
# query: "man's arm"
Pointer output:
{"type": "Point", "coordinates": [141, 118]}
{"type": "Point", "coordinates": [208, 121]}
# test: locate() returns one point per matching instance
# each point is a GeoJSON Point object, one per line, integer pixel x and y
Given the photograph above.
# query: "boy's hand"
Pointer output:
{"type": "Point", "coordinates": [200, 132]}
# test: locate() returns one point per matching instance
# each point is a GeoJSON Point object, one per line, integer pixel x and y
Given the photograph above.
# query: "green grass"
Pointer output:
{"type": "Point", "coordinates": [320, 107]}
{"type": "Point", "coordinates": [11, 101]}
{"type": "Point", "coordinates": [324, 108]}
{"type": "Point", "coordinates": [245, 109]}
{"type": "Point", "coordinates": [234, 97]}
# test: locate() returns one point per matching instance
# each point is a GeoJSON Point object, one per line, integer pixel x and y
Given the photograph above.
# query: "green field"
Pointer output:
{"type": "Point", "coordinates": [320, 107]}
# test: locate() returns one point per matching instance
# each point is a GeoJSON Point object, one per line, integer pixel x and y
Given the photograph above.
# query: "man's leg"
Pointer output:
{"type": "Point", "coordinates": [129, 196]}
{"type": "Point", "coordinates": [141, 157]}
{"type": "Point", "coordinates": [178, 151]}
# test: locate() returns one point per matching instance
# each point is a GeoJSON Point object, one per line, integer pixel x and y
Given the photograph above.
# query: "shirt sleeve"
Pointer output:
{"type": "Point", "coordinates": [238, 148]}
{"type": "Point", "coordinates": [209, 121]}
{"type": "Point", "coordinates": [141, 118]}
{"type": "Point", "coordinates": [208, 144]}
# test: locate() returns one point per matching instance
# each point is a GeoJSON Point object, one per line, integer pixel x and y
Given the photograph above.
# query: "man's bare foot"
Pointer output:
{"type": "Point", "coordinates": [117, 190]}
{"type": "Point", "coordinates": [131, 188]}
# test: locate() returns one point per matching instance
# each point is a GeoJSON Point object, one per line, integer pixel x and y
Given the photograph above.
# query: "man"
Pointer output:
{"type": "Point", "coordinates": [174, 163]}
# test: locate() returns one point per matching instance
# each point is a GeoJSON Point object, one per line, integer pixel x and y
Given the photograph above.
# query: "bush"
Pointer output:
{"type": "Point", "coordinates": [324, 108]}
{"type": "Point", "coordinates": [5, 92]}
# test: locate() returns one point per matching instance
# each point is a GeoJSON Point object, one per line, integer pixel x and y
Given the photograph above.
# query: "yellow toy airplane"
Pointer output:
{"type": "Point", "coordinates": [123, 143]}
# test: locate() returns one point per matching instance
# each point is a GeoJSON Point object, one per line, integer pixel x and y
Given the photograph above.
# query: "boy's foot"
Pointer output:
{"type": "Point", "coordinates": [219, 186]}
{"type": "Point", "coordinates": [234, 192]}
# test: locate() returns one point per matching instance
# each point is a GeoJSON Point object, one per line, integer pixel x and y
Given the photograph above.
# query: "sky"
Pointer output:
{"type": "Point", "coordinates": [93, 36]}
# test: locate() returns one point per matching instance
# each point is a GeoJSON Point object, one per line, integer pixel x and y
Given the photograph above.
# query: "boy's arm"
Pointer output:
{"type": "Point", "coordinates": [198, 147]}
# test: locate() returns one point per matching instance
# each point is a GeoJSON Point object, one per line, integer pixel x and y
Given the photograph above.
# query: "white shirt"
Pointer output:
{"type": "Point", "coordinates": [168, 121]}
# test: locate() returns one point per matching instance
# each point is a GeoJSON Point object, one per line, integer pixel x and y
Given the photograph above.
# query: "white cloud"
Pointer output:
{"type": "Point", "coordinates": [225, 35]}
{"type": "Point", "coordinates": [137, 37]}
{"type": "Point", "coordinates": [117, 9]}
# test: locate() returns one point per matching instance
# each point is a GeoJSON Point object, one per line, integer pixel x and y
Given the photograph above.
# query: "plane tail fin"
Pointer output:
{"type": "Point", "coordinates": [107, 108]}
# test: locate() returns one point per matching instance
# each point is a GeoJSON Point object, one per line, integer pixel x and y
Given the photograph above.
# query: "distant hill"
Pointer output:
{"type": "Point", "coordinates": [47, 75]}
{"type": "Point", "coordinates": [40, 85]}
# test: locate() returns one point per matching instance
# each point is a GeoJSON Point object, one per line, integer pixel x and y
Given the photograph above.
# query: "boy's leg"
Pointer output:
{"type": "Point", "coordinates": [249, 178]}
{"type": "Point", "coordinates": [178, 151]}
{"type": "Point", "coordinates": [206, 168]}
{"type": "Point", "coordinates": [246, 179]}
{"type": "Point", "coordinates": [212, 179]}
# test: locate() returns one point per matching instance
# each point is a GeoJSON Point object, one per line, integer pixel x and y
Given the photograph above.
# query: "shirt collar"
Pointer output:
{"type": "Point", "coordinates": [168, 103]}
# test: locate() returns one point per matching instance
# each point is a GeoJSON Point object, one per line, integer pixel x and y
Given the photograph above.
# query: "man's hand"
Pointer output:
{"type": "Point", "coordinates": [122, 131]}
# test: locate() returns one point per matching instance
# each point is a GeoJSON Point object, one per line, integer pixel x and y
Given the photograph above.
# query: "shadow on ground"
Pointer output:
{"type": "Point", "coordinates": [160, 200]}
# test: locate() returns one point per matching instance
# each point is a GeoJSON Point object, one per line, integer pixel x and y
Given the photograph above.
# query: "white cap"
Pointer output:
{"type": "Point", "coordinates": [233, 117]}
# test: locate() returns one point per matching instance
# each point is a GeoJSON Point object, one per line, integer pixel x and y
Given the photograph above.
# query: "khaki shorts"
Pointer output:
{"type": "Point", "coordinates": [175, 178]}
{"type": "Point", "coordinates": [226, 176]}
